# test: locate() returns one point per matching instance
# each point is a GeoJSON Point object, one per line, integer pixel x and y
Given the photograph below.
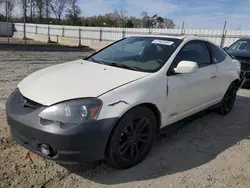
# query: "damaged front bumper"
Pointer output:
{"type": "Point", "coordinates": [242, 79]}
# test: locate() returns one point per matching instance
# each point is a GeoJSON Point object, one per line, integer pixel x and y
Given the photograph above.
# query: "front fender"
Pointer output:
{"type": "Point", "coordinates": [117, 102]}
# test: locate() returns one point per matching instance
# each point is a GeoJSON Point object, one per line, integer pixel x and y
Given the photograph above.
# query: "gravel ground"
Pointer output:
{"type": "Point", "coordinates": [211, 151]}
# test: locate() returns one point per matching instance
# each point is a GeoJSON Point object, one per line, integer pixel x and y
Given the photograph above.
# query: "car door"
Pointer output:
{"type": "Point", "coordinates": [223, 64]}
{"type": "Point", "coordinates": [187, 92]}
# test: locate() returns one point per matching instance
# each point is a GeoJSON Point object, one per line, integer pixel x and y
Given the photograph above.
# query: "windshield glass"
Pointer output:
{"type": "Point", "coordinates": [241, 45]}
{"type": "Point", "coordinates": [147, 54]}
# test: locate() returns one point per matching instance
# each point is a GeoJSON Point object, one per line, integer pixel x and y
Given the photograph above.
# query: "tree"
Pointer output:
{"type": "Point", "coordinates": [110, 20]}
{"type": "Point", "coordinates": [40, 7]}
{"type": "Point", "coordinates": [58, 7]}
{"type": "Point", "coordinates": [31, 5]}
{"type": "Point", "coordinates": [10, 5]}
{"type": "Point", "coordinates": [121, 16]}
{"type": "Point", "coordinates": [169, 24]}
{"type": "Point", "coordinates": [24, 7]}
{"type": "Point", "coordinates": [145, 19]}
{"type": "Point", "coordinates": [136, 22]}
{"type": "Point", "coordinates": [129, 24]}
{"type": "Point", "coordinates": [73, 12]}
{"type": "Point", "coordinates": [144, 14]}
{"type": "Point", "coordinates": [160, 19]}
{"type": "Point", "coordinates": [160, 22]}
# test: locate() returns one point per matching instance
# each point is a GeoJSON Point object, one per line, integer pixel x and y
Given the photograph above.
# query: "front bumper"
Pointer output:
{"type": "Point", "coordinates": [69, 145]}
{"type": "Point", "coordinates": [243, 79]}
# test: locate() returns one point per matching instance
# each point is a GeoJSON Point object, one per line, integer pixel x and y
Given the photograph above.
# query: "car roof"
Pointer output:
{"type": "Point", "coordinates": [245, 38]}
{"type": "Point", "coordinates": [175, 36]}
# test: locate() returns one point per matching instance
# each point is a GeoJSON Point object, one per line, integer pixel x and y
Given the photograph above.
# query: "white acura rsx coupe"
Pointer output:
{"type": "Point", "coordinates": [112, 104]}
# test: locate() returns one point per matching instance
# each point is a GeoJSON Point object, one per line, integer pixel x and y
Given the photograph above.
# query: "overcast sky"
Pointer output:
{"type": "Point", "coordinates": [202, 14]}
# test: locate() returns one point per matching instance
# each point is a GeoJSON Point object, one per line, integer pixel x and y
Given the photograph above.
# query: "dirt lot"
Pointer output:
{"type": "Point", "coordinates": [212, 151]}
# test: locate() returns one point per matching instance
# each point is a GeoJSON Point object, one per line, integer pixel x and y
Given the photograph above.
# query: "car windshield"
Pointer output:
{"type": "Point", "coordinates": [241, 45]}
{"type": "Point", "coordinates": [147, 54]}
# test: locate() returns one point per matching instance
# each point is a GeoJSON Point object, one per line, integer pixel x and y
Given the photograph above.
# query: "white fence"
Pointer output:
{"type": "Point", "coordinates": [220, 37]}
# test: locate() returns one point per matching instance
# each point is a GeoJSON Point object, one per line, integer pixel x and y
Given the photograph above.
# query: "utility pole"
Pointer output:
{"type": "Point", "coordinates": [7, 19]}
{"type": "Point", "coordinates": [223, 34]}
{"type": "Point", "coordinates": [24, 19]}
{"type": "Point", "coordinates": [182, 28]}
{"type": "Point", "coordinates": [48, 22]}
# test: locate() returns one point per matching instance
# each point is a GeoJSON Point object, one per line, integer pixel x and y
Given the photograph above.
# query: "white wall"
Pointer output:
{"type": "Point", "coordinates": [113, 34]}
{"type": "Point", "coordinates": [6, 29]}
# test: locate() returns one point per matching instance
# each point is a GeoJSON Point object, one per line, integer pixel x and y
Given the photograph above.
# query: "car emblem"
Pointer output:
{"type": "Point", "coordinates": [25, 103]}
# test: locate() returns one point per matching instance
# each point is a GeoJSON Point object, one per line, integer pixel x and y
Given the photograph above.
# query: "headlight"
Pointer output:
{"type": "Point", "coordinates": [73, 112]}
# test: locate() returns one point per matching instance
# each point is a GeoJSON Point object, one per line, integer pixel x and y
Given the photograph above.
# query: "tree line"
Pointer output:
{"type": "Point", "coordinates": [68, 12]}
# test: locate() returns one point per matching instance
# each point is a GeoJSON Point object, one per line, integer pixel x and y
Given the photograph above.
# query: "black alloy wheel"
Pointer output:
{"type": "Point", "coordinates": [132, 138]}
{"type": "Point", "coordinates": [229, 99]}
{"type": "Point", "coordinates": [135, 138]}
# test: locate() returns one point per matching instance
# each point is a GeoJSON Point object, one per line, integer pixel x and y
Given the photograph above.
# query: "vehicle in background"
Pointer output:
{"type": "Point", "coordinates": [112, 104]}
{"type": "Point", "coordinates": [240, 50]}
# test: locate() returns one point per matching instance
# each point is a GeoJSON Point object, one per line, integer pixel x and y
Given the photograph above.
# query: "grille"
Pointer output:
{"type": "Point", "coordinates": [245, 62]}
{"type": "Point", "coordinates": [27, 103]}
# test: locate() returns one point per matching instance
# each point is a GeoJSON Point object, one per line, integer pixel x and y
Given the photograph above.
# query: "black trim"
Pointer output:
{"type": "Point", "coordinates": [210, 52]}
{"type": "Point", "coordinates": [209, 44]}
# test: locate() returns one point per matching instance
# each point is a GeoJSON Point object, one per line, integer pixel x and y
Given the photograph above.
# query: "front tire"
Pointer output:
{"type": "Point", "coordinates": [132, 138]}
{"type": "Point", "coordinates": [228, 100]}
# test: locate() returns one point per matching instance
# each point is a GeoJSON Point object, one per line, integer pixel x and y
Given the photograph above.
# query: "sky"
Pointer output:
{"type": "Point", "coordinates": [197, 14]}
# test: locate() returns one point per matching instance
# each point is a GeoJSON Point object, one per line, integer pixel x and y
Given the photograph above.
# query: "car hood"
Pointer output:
{"type": "Point", "coordinates": [77, 79]}
{"type": "Point", "coordinates": [239, 53]}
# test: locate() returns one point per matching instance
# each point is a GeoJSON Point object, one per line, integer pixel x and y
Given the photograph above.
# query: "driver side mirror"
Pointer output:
{"type": "Point", "coordinates": [226, 48]}
{"type": "Point", "coordinates": [186, 67]}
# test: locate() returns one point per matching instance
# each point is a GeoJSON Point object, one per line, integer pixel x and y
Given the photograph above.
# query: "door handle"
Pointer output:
{"type": "Point", "coordinates": [213, 76]}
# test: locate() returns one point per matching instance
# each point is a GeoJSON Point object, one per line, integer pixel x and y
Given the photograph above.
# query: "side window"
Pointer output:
{"type": "Point", "coordinates": [235, 45]}
{"type": "Point", "coordinates": [196, 51]}
{"type": "Point", "coordinates": [218, 55]}
{"type": "Point", "coordinates": [241, 45]}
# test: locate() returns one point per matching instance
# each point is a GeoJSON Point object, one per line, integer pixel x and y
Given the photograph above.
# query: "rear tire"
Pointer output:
{"type": "Point", "coordinates": [132, 138]}
{"type": "Point", "coordinates": [228, 100]}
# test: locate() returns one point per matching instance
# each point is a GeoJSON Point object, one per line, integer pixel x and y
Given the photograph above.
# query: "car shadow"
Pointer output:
{"type": "Point", "coordinates": [195, 144]}
{"type": "Point", "coordinates": [44, 47]}
{"type": "Point", "coordinates": [246, 85]}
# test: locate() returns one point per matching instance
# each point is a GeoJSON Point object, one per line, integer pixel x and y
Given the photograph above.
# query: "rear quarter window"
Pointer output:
{"type": "Point", "coordinates": [218, 55]}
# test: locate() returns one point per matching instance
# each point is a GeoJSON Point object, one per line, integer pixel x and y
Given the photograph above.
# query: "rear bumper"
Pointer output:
{"type": "Point", "coordinates": [69, 145]}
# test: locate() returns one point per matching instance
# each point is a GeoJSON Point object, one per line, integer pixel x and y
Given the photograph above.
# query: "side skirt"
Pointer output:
{"type": "Point", "coordinates": [169, 130]}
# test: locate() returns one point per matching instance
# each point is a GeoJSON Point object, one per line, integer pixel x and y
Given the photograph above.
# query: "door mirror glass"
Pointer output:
{"type": "Point", "coordinates": [186, 67]}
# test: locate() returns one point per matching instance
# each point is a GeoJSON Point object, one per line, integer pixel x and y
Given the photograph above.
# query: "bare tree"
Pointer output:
{"type": "Point", "coordinates": [10, 8]}
{"type": "Point", "coordinates": [40, 7]}
{"type": "Point", "coordinates": [73, 11]}
{"type": "Point", "coordinates": [1, 1]}
{"type": "Point", "coordinates": [121, 16]}
{"type": "Point", "coordinates": [31, 7]}
{"type": "Point", "coordinates": [47, 3]}
{"type": "Point", "coordinates": [58, 6]}
{"type": "Point", "coordinates": [145, 19]}
{"type": "Point", "coordinates": [24, 6]}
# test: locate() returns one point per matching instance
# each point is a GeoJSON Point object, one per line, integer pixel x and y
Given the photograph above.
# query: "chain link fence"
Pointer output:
{"type": "Point", "coordinates": [78, 36]}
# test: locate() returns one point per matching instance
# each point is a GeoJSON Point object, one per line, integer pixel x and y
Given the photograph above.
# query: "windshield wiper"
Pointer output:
{"type": "Point", "coordinates": [116, 65]}
{"type": "Point", "coordinates": [96, 61]}
{"type": "Point", "coordinates": [124, 66]}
